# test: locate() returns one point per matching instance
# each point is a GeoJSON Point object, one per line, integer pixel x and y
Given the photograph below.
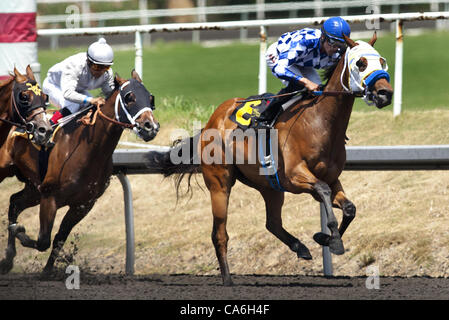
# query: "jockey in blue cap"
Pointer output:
{"type": "Point", "coordinates": [296, 55]}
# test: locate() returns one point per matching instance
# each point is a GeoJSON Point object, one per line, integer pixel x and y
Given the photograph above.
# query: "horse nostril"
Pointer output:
{"type": "Point", "coordinates": [385, 94]}
{"type": "Point", "coordinates": [147, 125]}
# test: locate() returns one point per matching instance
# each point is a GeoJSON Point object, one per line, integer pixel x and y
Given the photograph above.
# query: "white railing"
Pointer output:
{"type": "Point", "coordinates": [201, 12]}
{"type": "Point", "coordinates": [398, 18]}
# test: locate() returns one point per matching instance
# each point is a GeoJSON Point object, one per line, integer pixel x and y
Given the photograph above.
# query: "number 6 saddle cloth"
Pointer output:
{"type": "Point", "coordinates": [248, 112]}
{"type": "Point", "coordinates": [246, 116]}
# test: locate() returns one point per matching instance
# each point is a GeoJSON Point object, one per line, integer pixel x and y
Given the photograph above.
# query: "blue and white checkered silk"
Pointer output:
{"type": "Point", "coordinates": [300, 48]}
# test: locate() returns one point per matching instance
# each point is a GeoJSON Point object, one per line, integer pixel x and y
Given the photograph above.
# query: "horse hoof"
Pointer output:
{"type": "Point", "coordinates": [322, 238]}
{"type": "Point", "coordinates": [5, 266]}
{"type": "Point", "coordinates": [336, 246]}
{"type": "Point", "coordinates": [302, 251]}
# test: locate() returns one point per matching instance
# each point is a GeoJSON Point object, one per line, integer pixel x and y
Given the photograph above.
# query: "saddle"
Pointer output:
{"type": "Point", "coordinates": [262, 111]}
{"type": "Point", "coordinates": [44, 152]}
{"type": "Point", "coordinates": [248, 115]}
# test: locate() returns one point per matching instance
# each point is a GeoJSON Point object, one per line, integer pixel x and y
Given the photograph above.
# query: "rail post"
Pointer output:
{"type": "Point", "coordinates": [138, 63]}
{"type": "Point", "coordinates": [397, 101]}
{"type": "Point", "coordinates": [129, 223]}
{"type": "Point", "coordinates": [262, 63]}
{"type": "Point", "coordinates": [327, 258]}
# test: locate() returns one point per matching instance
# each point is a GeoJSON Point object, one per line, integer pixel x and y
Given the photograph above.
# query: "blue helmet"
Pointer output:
{"type": "Point", "coordinates": [335, 28]}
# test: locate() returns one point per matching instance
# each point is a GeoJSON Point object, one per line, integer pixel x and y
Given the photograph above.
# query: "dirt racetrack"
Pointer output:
{"type": "Point", "coordinates": [201, 288]}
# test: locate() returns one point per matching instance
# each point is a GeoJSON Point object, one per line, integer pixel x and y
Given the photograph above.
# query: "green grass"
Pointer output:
{"type": "Point", "coordinates": [206, 76]}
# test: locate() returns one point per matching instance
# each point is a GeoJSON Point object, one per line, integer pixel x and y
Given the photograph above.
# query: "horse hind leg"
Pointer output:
{"type": "Point", "coordinates": [274, 201]}
{"type": "Point", "coordinates": [219, 182]}
{"type": "Point", "coordinates": [26, 198]}
{"type": "Point", "coordinates": [73, 216]}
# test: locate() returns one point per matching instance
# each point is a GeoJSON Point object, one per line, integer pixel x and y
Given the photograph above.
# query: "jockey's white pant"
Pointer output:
{"type": "Point", "coordinates": [56, 97]}
{"type": "Point", "coordinates": [307, 72]}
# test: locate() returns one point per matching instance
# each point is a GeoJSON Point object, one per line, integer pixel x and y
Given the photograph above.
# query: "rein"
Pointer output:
{"type": "Point", "coordinates": [90, 122]}
{"type": "Point", "coordinates": [315, 93]}
{"type": "Point", "coordinates": [118, 101]}
{"type": "Point", "coordinates": [360, 91]}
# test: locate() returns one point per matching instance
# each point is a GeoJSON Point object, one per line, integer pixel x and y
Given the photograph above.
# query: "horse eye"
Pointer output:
{"type": "Point", "coordinates": [129, 97]}
{"type": "Point", "coordinates": [23, 96]}
{"type": "Point", "coordinates": [361, 65]}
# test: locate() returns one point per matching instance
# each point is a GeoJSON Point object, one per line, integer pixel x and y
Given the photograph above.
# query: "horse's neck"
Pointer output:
{"type": "Point", "coordinates": [103, 136]}
{"type": "Point", "coordinates": [338, 107]}
{"type": "Point", "coordinates": [114, 131]}
{"type": "Point", "coordinates": [5, 110]}
{"type": "Point", "coordinates": [5, 99]}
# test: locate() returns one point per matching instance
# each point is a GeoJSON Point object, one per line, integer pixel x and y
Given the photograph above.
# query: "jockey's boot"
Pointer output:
{"type": "Point", "coordinates": [56, 116]}
{"type": "Point", "coordinates": [268, 118]}
{"type": "Point", "coordinates": [64, 112]}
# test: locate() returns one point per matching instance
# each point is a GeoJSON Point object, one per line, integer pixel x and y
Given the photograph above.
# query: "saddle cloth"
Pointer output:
{"type": "Point", "coordinates": [44, 152]}
{"type": "Point", "coordinates": [246, 114]}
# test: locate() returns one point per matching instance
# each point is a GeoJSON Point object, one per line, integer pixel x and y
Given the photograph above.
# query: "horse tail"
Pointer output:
{"type": "Point", "coordinates": [180, 161]}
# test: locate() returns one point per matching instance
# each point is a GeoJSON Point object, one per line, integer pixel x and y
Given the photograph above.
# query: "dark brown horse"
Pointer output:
{"type": "Point", "coordinates": [79, 167]}
{"type": "Point", "coordinates": [23, 104]}
{"type": "Point", "coordinates": [311, 153]}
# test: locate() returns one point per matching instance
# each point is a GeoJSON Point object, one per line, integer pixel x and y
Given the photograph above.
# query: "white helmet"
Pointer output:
{"type": "Point", "coordinates": [100, 53]}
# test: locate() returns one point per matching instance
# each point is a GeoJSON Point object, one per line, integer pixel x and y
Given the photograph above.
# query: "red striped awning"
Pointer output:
{"type": "Point", "coordinates": [18, 27]}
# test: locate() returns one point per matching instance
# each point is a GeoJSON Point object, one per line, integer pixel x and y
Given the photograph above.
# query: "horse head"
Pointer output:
{"type": "Point", "coordinates": [368, 72]}
{"type": "Point", "coordinates": [28, 106]}
{"type": "Point", "coordinates": [137, 105]}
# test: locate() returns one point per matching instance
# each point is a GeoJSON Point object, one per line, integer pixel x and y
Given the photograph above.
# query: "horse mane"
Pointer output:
{"type": "Point", "coordinates": [4, 83]}
{"type": "Point", "coordinates": [328, 72]}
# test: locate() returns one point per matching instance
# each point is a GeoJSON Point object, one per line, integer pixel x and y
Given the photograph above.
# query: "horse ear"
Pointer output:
{"type": "Point", "coordinates": [19, 77]}
{"type": "Point", "coordinates": [16, 72]}
{"type": "Point", "coordinates": [118, 81]}
{"type": "Point", "coordinates": [135, 75]}
{"type": "Point", "coordinates": [351, 43]}
{"type": "Point", "coordinates": [30, 73]}
{"type": "Point", "coordinates": [373, 39]}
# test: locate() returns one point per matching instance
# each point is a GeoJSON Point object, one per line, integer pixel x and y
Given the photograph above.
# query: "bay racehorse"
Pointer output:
{"type": "Point", "coordinates": [79, 166]}
{"type": "Point", "coordinates": [311, 152]}
{"type": "Point", "coordinates": [23, 105]}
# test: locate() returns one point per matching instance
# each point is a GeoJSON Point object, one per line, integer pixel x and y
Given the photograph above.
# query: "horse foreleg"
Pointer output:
{"type": "Point", "coordinates": [26, 198]}
{"type": "Point", "coordinates": [334, 241]}
{"type": "Point", "coordinates": [302, 180]}
{"type": "Point", "coordinates": [348, 208]}
{"type": "Point", "coordinates": [73, 216]}
{"type": "Point", "coordinates": [47, 213]}
{"type": "Point", "coordinates": [274, 201]}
